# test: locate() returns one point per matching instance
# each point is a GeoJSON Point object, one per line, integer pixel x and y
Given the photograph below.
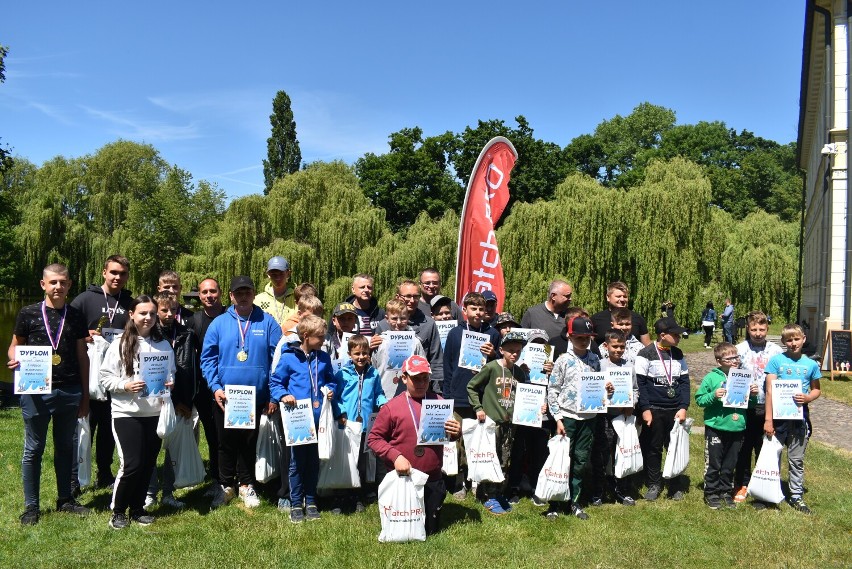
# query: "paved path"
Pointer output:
{"type": "Point", "coordinates": [831, 420]}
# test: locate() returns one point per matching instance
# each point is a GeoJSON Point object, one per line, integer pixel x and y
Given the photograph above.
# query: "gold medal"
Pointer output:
{"type": "Point", "coordinates": [57, 359]}
{"type": "Point", "coordinates": [316, 404]}
{"type": "Point", "coordinates": [242, 355]}
{"type": "Point", "coordinates": [419, 451]}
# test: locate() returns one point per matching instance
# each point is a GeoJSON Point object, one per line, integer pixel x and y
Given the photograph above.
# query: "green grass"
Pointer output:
{"type": "Point", "coordinates": [661, 534]}
{"type": "Point", "coordinates": [839, 389]}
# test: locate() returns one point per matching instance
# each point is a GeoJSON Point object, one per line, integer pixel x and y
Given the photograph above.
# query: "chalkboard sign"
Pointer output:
{"type": "Point", "coordinates": [838, 352]}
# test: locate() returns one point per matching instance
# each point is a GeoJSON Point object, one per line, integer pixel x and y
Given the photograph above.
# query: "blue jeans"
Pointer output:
{"type": "Point", "coordinates": [304, 473]}
{"type": "Point", "coordinates": [62, 404]}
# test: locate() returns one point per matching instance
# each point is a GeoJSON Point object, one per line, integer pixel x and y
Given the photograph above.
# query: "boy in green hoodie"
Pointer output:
{"type": "Point", "coordinates": [723, 428]}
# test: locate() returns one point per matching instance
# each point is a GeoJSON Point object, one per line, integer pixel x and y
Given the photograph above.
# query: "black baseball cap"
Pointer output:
{"type": "Point", "coordinates": [668, 325]}
{"type": "Point", "coordinates": [242, 282]}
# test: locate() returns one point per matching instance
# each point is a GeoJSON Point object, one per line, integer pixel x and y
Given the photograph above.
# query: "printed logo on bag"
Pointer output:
{"type": "Point", "coordinates": [484, 456]}
{"type": "Point", "coordinates": [635, 449]}
{"type": "Point", "coordinates": [766, 473]}
{"type": "Point", "coordinates": [398, 515]}
{"type": "Point", "coordinates": [555, 475]}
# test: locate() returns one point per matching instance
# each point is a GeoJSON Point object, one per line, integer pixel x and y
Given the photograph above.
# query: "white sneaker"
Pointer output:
{"type": "Point", "coordinates": [222, 497]}
{"type": "Point", "coordinates": [150, 502]}
{"type": "Point", "coordinates": [249, 496]}
{"type": "Point", "coordinates": [172, 502]}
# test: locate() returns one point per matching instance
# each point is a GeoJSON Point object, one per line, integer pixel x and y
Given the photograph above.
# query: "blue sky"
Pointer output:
{"type": "Point", "coordinates": [196, 80]}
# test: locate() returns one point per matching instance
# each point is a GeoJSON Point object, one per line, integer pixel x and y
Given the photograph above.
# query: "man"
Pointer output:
{"type": "Point", "coordinates": [238, 350]}
{"type": "Point", "coordinates": [61, 327]}
{"type": "Point", "coordinates": [424, 328]}
{"type": "Point", "coordinates": [169, 281]}
{"type": "Point", "coordinates": [105, 309]}
{"type": "Point", "coordinates": [210, 296]}
{"type": "Point", "coordinates": [550, 314]}
{"type": "Point", "coordinates": [728, 321]}
{"type": "Point", "coordinates": [366, 306]}
{"type": "Point", "coordinates": [277, 298]}
{"type": "Point", "coordinates": [490, 306]}
{"type": "Point", "coordinates": [617, 296]}
{"type": "Point", "coordinates": [430, 287]}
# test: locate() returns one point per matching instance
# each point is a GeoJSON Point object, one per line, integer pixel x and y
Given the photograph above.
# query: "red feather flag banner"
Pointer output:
{"type": "Point", "coordinates": [478, 265]}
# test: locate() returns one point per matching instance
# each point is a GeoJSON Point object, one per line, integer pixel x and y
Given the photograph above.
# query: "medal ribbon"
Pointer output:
{"type": "Point", "coordinates": [667, 371]}
{"type": "Point", "coordinates": [243, 332]}
{"type": "Point", "coordinates": [414, 420]}
{"type": "Point", "coordinates": [110, 311]}
{"type": "Point", "coordinates": [360, 391]}
{"type": "Point", "coordinates": [54, 345]}
{"type": "Point", "coordinates": [314, 375]}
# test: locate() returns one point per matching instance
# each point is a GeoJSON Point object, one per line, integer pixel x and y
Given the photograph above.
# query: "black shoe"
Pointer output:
{"type": "Point", "coordinates": [626, 501]}
{"type": "Point", "coordinates": [713, 502]}
{"type": "Point", "coordinates": [30, 516]}
{"type": "Point", "coordinates": [71, 506]}
{"type": "Point", "coordinates": [297, 515]}
{"type": "Point", "coordinates": [596, 501]}
{"type": "Point", "coordinates": [799, 505]}
{"type": "Point", "coordinates": [312, 513]}
{"type": "Point", "coordinates": [143, 519]}
{"type": "Point", "coordinates": [652, 493]}
{"type": "Point", "coordinates": [729, 502]}
{"type": "Point", "coordinates": [578, 512]}
{"type": "Point", "coordinates": [105, 482]}
{"type": "Point", "coordinates": [514, 499]}
{"type": "Point", "coordinates": [677, 495]}
{"type": "Point", "coordinates": [758, 505]}
{"type": "Point", "coordinates": [118, 521]}
{"type": "Point", "coordinates": [359, 507]}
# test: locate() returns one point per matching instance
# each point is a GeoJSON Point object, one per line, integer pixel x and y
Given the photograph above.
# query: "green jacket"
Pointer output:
{"type": "Point", "coordinates": [491, 385]}
{"type": "Point", "coordinates": [280, 307]}
{"type": "Point", "coordinates": [715, 415]}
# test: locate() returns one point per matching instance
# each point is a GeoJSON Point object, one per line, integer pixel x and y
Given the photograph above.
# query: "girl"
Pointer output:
{"type": "Point", "coordinates": [134, 415]}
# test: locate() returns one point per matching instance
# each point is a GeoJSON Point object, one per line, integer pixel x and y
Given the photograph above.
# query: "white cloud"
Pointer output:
{"type": "Point", "coordinates": [127, 125]}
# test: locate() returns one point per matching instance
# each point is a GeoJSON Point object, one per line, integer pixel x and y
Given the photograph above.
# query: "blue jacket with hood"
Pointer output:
{"type": "Point", "coordinates": [292, 376]}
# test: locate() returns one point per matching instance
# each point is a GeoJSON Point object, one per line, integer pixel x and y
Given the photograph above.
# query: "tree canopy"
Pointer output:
{"type": "Point", "coordinates": [283, 155]}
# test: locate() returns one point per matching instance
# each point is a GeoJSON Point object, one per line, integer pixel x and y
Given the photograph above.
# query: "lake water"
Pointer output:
{"type": "Point", "coordinates": [8, 312]}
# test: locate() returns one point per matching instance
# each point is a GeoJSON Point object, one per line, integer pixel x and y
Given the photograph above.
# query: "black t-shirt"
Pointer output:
{"type": "Point", "coordinates": [602, 321]}
{"type": "Point", "coordinates": [30, 325]}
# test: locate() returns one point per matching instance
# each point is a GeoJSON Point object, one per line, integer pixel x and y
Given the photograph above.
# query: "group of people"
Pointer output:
{"type": "Point", "coordinates": [708, 323]}
{"type": "Point", "coordinates": [278, 343]}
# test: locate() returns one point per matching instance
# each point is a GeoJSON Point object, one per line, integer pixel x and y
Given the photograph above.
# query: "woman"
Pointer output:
{"type": "Point", "coordinates": [134, 413]}
{"type": "Point", "coordinates": [708, 322]}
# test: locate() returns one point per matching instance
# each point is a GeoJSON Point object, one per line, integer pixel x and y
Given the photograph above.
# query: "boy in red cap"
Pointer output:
{"type": "Point", "coordinates": [394, 437]}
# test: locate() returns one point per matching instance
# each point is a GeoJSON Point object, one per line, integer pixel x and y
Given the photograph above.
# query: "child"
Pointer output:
{"type": "Point", "coordinates": [560, 342]}
{"type": "Point", "coordinates": [490, 307]}
{"type": "Point", "coordinates": [723, 428]}
{"type": "Point", "coordinates": [622, 320]}
{"type": "Point", "coordinates": [563, 401]}
{"type": "Point", "coordinates": [307, 304]}
{"type": "Point", "coordinates": [396, 314]}
{"type": "Point", "coordinates": [184, 343]}
{"type": "Point", "coordinates": [456, 378]}
{"type": "Point", "coordinates": [504, 322]}
{"type": "Point", "coordinates": [54, 323]}
{"type": "Point", "coordinates": [793, 434]}
{"type": "Point", "coordinates": [344, 319]}
{"type": "Point", "coordinates": [301, 371]}
{"type": "Point", "coordinates": [663, 379]}
{"type": "Point", "coordinates": [606, 439]}
{"type": "Point", "coordinates": [134, 418]}
{"type": "Point", "coordinates": [755, 352]}
{"type": "Point", "coordinates": [394, 437]}
{"type": "Point", "coordinates": [358, 393]}
{"type": "Point", "coordinates": [441, 308]}
{"type": "Point", "coordinates": [169, 281]}
{"type": "Point", "coordinates": [491, 392]}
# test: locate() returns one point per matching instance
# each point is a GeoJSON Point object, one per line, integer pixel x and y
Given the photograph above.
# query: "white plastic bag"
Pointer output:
{"type": "Point", "coordinates": [677, 456]}
{"type": "Point", "coordinates": [765, 482]}
{"type": "Point", "coordinates": [628, 453]}
{"type": "Point", "coordinates": [451, 459]}
{"type": "Point", "coordinates": [168, 419]}
{"type": "Point", "coordinates": [268, 449]}
{"type": "Point", "coordinates": [480, 442]}
{"type": "Point", "coordinates": [183, 450]}
{"type": "Point", "coordinates": [554, 480]}
{"type": "Point", "coordinates": [341, 470]}
{"type": "Point", "coordinates": [84, 452]}
{"type": "Point", "coordinates": [96, 351]}
{"type": "Point", "coordinates": [326, 427]}
{"type": "Point", "coordinates": [402, 507]}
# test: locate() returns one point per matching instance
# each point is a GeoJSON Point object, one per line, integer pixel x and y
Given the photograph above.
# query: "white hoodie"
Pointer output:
{"type": "Point", "coordinates": [113, 379]}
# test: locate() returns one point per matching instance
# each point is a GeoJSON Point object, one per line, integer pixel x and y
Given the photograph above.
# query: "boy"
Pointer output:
{"type": "Point", "coordinates": [169, 281]}
{"type": "Point", "coordinates": [606, 439]}
{"type": "Point", "coordinates": [343, 318]}
{"type": "Point", "coordinates": [301, 371]}
{"type": "Point", "coordinates": [663, 379]}
{"type": "Point", "coordinates": [622, 320]}
{"type": "Point", "coordinates": [563, 401]}
{"type": "Point", "coordinates": [504, 322]}
{"type": "Point", "coordinates": [54, 323]}
{"type": "Point", "coordinates": [755, 352]}
{"type": "Point", "coordinates": [396, 314]}
{"type": "Point", "coordinates": [793, 434]}
{"type": "Point", "coordinates": [185, 345]}
{"type": "Point", "coordinates": [456, 378]}
{"type": "Point", "coordinates": [394, 437]}
{"type": "Point", "coordinates": [277, 299]}
{"type": "Point", "coordinates": [441, 308]}
{"type": "Point", "coordinates": [723, 428]}
{"type": "Point", "coordinates": [490, 306]}
{"type": "Point", "coordinates": [358, 393]}
{"type": "Point", "coordinates": [491, 393]}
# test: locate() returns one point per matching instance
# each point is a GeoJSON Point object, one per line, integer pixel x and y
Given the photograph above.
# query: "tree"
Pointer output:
{"type": "Point", "coordinates": [414, 176]}
{"type": "Point", "coordinates": [5, 153]}
{"type": "Point", "coordinates": [282, 148]}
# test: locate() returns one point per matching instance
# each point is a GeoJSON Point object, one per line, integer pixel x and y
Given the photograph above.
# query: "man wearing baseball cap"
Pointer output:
{"type": "Point", "coordinates": [277, 297]}
{"type": "Point", "coordinates": [394, 437]}
{"type": "Point", "coordinates": [238, 350]}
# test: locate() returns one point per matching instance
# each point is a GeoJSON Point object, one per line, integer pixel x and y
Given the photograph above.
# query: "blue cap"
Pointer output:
{"type": "Point", "coordinates": [278, 264]}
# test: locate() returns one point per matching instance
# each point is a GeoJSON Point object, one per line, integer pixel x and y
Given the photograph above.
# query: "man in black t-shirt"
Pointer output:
{"type": "Point", "coordinates": [62, 328]}
{"type": "Point", "coordinates": [617, 296]}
